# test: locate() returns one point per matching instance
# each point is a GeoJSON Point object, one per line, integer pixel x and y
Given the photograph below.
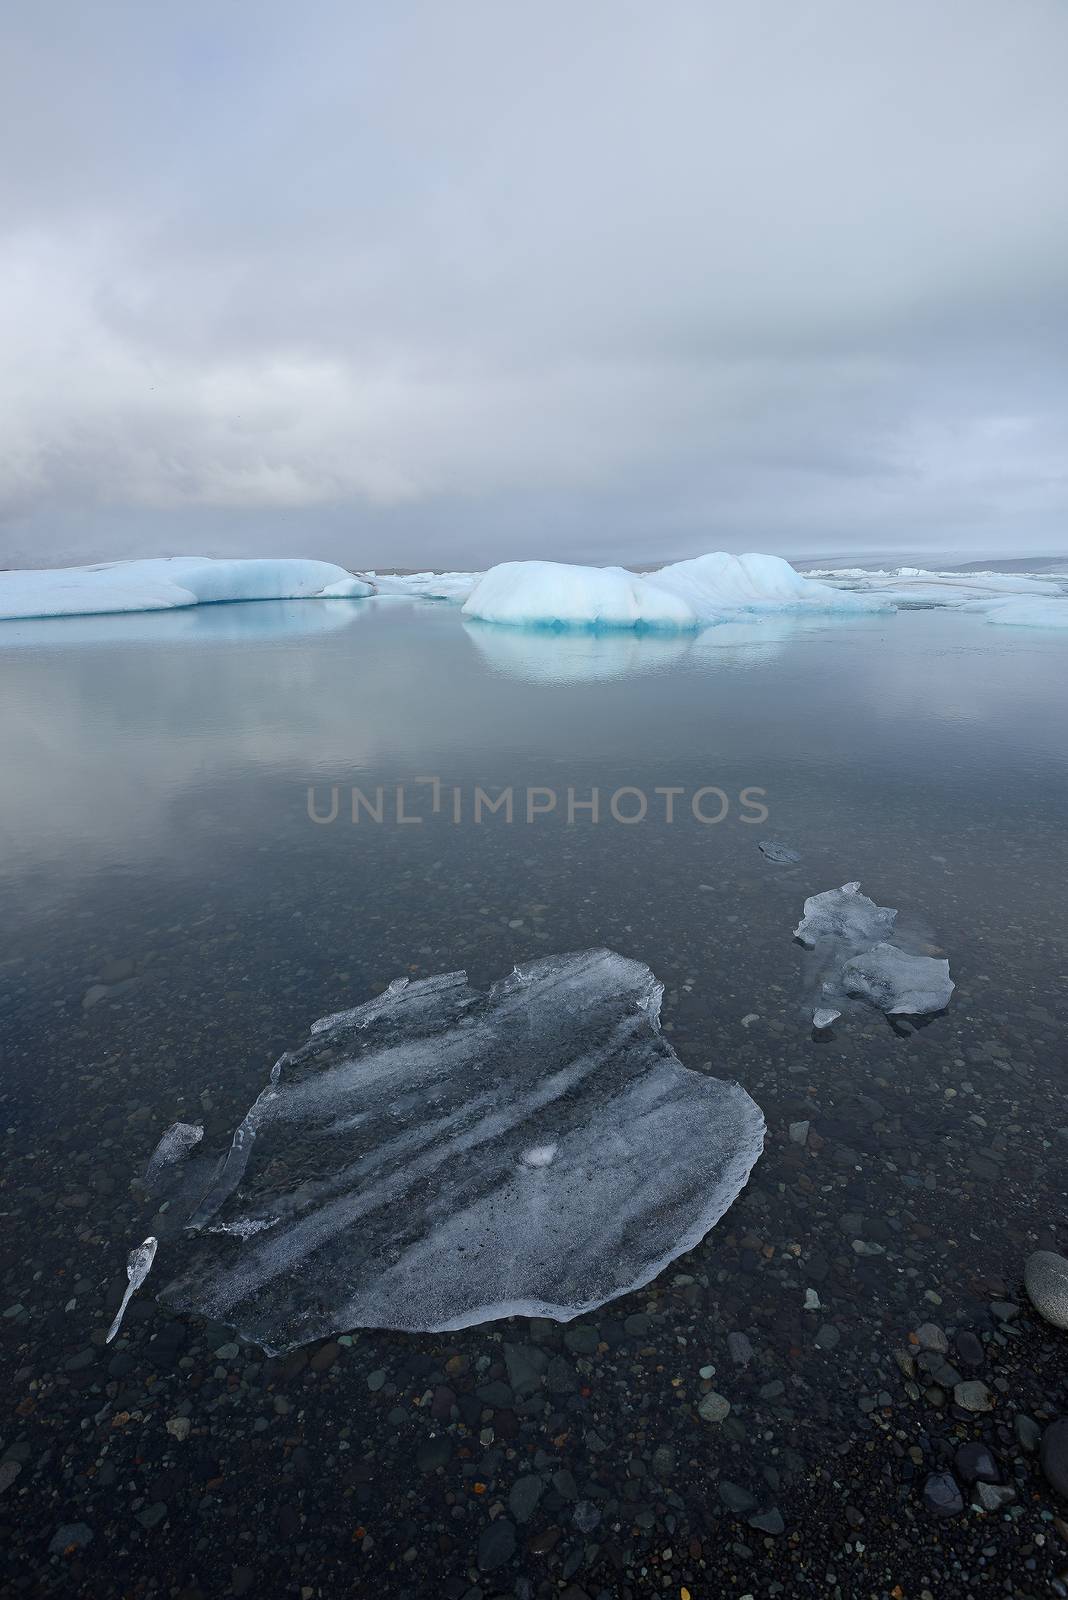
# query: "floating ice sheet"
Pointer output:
{"type": "Point", "coordinates": [440, 1157]}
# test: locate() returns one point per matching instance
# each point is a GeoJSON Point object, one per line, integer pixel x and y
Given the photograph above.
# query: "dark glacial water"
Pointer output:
{"type": "Point", "coordinates": [173, 919]}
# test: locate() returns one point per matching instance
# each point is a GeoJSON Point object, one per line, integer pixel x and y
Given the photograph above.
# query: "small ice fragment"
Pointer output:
{"type": "Point", "coordinates": [823, 1016]}
{"type": "Point", "coordinates": [846, 914]}
{"type": "Point", "coordinates": [539, 1155]}
{"type": "Point", "coordinates": [138, 1266]}
{"type": "Point", "coordinates": [177, 1142]}
{"type": "Point", "coordinates": [777, 852]}
{"type": "Point", "coordinates": [898, 983]}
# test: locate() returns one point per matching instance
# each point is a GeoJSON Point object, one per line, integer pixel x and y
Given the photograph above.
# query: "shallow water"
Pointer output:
{"type": "Point", "coordinates": [154, 816]}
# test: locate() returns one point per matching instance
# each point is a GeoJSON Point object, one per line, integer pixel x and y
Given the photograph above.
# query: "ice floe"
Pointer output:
{"type": "Point", "coordinates": [846, 914]}
{"type": "Point", "coordinates": [441, 1157]}
{"type": "Point", "coordinates": [686, 595]}
{"type": "Point", "coordinates": [853, 959]}
{"type": "Point", "coordinates": [898, 982]}
{"type": "Point", "coordinates": [168, 583]}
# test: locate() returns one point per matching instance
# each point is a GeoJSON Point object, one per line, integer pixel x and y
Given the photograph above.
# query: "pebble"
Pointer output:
{"type": "Point", "coordinates": [974, 1463]}
{"type": "Point", "coordinates": [68, 1534]}
{"type": "Point", "coordinates": [179, 1428]}
{"type": "Point", "coordinates": [714, 1407]}
{"type": "Point", "coordinates": [1054, 1456]}
{"type": "Point", "coordinates": [740, 1349]}
{"type": "Point", "coordinates": [798, 1132]}
{"type": "Point", "coordinates": [768, 1521]}
{"type": "Point", "coordinates": [496, 1544]}
{"type": "Point", "coordinates": [973, 1396]}
{"type": "Point", "coordinates": [1046, 1282]}
{"type": "Point", "coordinates": [526, 1492]}
{"type": "Point", "coordinates": [941, 1494]}
{"type": "Point", "coordinates": [735, 1498]}
{"type": "Point", "coordinates": [930, 1337]}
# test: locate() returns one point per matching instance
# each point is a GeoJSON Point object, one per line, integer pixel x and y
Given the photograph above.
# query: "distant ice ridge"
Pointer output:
{"type": "Point", "coordinates": [424, 585]}
{"type": "Point", "coordinates": [1019, 599]}
{"type": "Point", "coordinates": [441, 1157]}
{"type": "Point", "coordinates": [688, 594]}
{"type": "Point", "coordinates": [168, 583]}
{"type": "Point", "coordinates": [853, 959]}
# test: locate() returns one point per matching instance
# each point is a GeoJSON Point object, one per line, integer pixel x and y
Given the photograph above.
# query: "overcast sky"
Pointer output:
{"type": "Point", "coordinates": [450, 283]}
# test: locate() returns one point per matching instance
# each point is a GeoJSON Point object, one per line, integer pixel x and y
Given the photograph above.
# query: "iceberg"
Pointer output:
{"type": "Point", "coordinates": [693, 594]}
{"type": "Point", "coordinates": [168, 583]}
{"type": "Point", "coordinates": [555, 595]}
{"type": "Point", "coordinates": [440, 1157]}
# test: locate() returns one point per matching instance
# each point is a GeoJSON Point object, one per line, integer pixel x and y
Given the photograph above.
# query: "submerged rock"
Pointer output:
{"type": "Point", "coordinates": [1046, 1282]}
{"type": "Point", "coordinates": [438, 1158]}
{"type": "Point", "coordinates": [780, 853]}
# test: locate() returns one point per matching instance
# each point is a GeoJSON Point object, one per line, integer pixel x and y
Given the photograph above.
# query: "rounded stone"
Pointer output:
{"type": "Point", "coordinates": [714, 1407]}
{"type": "Point", "coordinates": [496, 1545]}
{"type": "Point", "coordinates": [1054, 1456]}
{"type": "Point", "coordinates": [942, 1496]}
{"type": "Point", "coordinates": [1046, 1282]}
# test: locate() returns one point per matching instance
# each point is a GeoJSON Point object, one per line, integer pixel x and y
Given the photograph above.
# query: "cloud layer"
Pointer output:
{"type": "Point", "coordinates": [456, 283]}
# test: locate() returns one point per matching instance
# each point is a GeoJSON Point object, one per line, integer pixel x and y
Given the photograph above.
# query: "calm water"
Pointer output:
{"type": "Point", "coordinates": [155, 829]}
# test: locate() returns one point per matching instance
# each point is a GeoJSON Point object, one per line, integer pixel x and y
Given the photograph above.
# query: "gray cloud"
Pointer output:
{"type": "Point", "coordinates": [446, 284]}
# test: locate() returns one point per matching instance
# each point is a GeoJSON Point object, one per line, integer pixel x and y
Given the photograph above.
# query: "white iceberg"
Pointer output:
{"type": "Point", "coordinates": [686, 595]}
{"type": "Point", "coordinates": [169, 583]}
{"type": "Point", "coordinates": [553, 594]}
{"type": "Point", "coordinates": [439, 1157]}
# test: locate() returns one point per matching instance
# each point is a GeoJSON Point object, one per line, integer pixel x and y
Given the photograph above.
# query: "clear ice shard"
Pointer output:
{"type": "Point", "coordinates": [846, 914]}
{"type": "Point", "coordinates": [897, 982]}
{"type": "Point", "coordinates": [441, 1157]}
{"type": "Point", "coordinates": [823, 1016]}
{"type": "Point", "coordinates": [138, 1265]}
{"type": "Point", "coordinates": [177, 1142]}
